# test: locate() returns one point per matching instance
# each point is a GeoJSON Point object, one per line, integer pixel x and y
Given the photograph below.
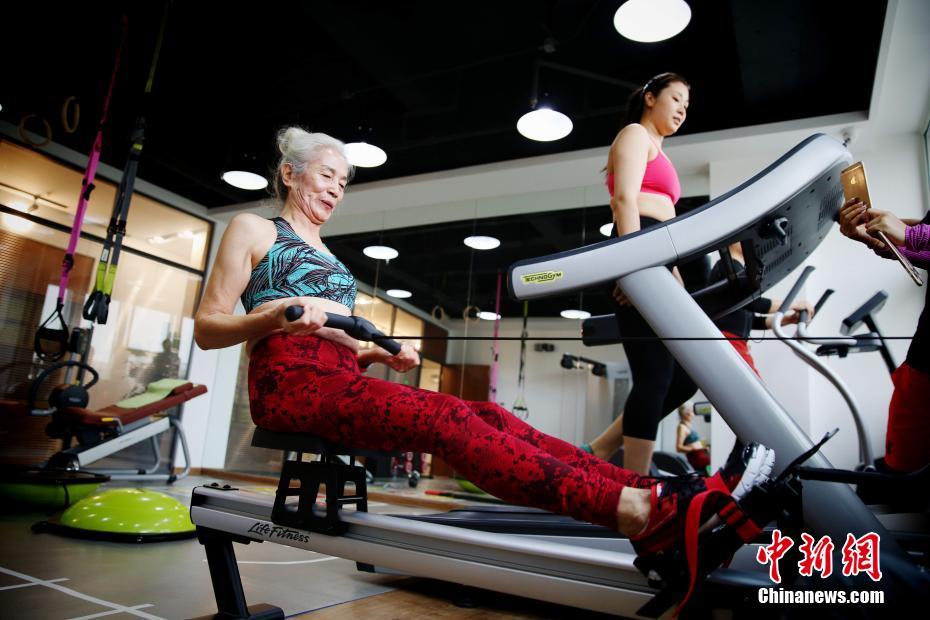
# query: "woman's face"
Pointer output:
{"type": "Point", "coordinates": [321, 187]}
{"type": "Point", "coordinates": [668, 111]}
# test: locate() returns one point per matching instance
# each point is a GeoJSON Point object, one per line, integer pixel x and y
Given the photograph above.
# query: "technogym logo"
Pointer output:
{"type": "Point", "coordinates": [542, 277]}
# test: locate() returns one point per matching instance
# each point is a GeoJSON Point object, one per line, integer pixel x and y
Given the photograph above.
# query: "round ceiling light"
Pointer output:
{"type": "Point", "coordinates": [544, 125]}
{"type": "Point", "coordinates": [575, 314]}
{"type": "Point", "coordinates": [488, 316]}
{"type": "Point", "coordinates": [15, 223]}
{"type": "Point", "coordinates": [648, 21]}
{"type": "Point", "coordinates": [365, 155]}
{"type": "Point", "coordinates": [245, 180]}
{"type": "Point", "coordinates": [381, 252]}
{"type": "Point", "coordinates": [399, 293]}
{"type": "Point", "coordinates": [479, 242]}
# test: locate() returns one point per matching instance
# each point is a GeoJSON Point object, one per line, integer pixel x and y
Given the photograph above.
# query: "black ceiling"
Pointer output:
{"type": "Point", "coordinates": [439, 85]}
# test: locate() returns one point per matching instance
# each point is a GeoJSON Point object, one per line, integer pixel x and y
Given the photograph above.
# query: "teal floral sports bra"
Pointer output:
{"type": "Point", "coordinates": [292, 268]}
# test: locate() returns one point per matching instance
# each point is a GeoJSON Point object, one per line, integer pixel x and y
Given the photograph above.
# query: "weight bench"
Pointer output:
{"type": "Point", "coordinates": [103, 432]}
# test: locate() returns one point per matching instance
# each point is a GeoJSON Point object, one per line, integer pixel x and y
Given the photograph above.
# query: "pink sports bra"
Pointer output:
{"type": "Point", "coordinates": [660, 178]}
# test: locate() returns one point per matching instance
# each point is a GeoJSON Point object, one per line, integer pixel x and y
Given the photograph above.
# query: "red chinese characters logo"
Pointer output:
{"type": "Point", "coordinates": [773, 553]}
{"type": "Point", "coordinates": [860, 555]}
{"type": "Point", "coordinates": [817, 556]}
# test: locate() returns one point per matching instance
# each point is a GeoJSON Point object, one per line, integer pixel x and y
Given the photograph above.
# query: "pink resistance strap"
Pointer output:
{"type": "Point", "coordinates": [47, 333]}
{"type": "Point", "coordinates": [87, 184]}
{"type": "Point", "coordinates": [492, 391]}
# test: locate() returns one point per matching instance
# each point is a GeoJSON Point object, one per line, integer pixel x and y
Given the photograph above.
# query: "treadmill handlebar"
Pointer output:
{"type": "Point", "coordinates": [355, 326]}
{"type": "Point", "coordinates": [789, 298]}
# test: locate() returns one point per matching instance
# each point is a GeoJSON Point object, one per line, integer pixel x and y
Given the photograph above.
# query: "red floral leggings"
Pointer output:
{"type": "Point", "coordinates": [309, 384]}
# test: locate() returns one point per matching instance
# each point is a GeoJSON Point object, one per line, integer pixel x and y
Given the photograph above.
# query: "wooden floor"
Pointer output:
{"type": "Point", "coordinates": [419, 599]}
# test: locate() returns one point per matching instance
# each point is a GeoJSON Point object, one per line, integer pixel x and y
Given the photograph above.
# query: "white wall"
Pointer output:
{"type": "Point", "coordinates": [206, 419]}
{"type": "Point", "coordinates": [564, 403]}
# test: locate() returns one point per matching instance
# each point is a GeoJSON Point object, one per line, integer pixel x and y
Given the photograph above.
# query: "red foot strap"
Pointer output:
{"type": "Point", "coordinates": [730, 512]}
{"type": "Point", "coordinates": [745, 527]}
{"type": "Point", "coordinates": [715, 483]}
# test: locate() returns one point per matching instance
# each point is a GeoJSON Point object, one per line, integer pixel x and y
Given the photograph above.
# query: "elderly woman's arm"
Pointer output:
{"type": "Point", "coordinates": [215, 325]}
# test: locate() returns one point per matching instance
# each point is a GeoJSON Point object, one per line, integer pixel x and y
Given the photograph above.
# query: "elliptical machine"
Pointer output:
{"type": "Point", "coordinates": [900, 501]}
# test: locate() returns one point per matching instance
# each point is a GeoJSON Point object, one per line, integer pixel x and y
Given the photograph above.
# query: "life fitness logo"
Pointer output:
{"type": "Point", "coordinates": [272, 532]}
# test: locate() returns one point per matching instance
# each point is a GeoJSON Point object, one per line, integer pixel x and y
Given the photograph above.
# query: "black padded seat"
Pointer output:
{"type": "Point", "coordinates": [308, 442]}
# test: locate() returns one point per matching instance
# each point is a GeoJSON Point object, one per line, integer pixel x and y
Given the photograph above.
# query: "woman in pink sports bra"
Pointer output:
{"type": "Point", "coordinates": [644, 188]}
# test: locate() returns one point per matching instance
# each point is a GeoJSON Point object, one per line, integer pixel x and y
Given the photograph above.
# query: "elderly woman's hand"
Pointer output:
{"type": "Point", "coordinates": [888, 223]}
{"type": "Point", "coordinates": [312, 319]}
{"type": "Point", "coordinates": [407, 359]}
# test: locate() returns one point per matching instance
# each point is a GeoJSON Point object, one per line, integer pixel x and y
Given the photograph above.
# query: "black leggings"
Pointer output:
{"type": "Point", "coordinates": [660, 384]}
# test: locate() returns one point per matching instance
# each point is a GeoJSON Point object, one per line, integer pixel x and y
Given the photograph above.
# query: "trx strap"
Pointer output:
{"type": "Point", "coordinates": [97, 307]}
{"type": "Point", "coordinates": [46, 331]}
{"type": "Point", "coordinates": [495, 351]}
{"type": "Point", "coordinates": [519, 408]}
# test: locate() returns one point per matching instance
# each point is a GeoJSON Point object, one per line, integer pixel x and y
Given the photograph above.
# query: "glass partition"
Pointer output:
{"type": "Point", "coordinates": [149, 331]}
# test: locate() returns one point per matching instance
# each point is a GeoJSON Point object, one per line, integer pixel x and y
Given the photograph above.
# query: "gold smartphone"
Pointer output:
{"type": "Point", "coordinates": [856, 186]}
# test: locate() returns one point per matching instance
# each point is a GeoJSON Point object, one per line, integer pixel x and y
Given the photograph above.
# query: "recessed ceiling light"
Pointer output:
{"type": "Point", "coordinates": [365, 155]}
{"type": "Point", "coordinates": [544, 125]}
{"type": "Point", "coordinates": [575, 314]}
{"type": "Point", "coordinates": [245, 180]}
{"type": "Point", "coordinates": [479, 242]}
{"type": "Point", "coordinates": [488, 316]}
{"type": "Point", "coordinates": [399, 293]}
{"type": "Point", "coordinates": [381, 252]}
{"type": "Point", "coordinates": [648, 21]}
{"type": "Point", "coordinates": [607, 229]}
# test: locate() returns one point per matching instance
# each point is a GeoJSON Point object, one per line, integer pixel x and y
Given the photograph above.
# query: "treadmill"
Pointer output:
{"type": "Point", "coordinates": [779, 216]}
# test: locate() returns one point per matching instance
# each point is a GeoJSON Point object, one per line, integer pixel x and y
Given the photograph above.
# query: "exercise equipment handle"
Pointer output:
{"type": "Point", "coordinates": [823, 299]}
{"type": "Point", "coordinates": [786, 304]}
{"type": "Point", "coordinates": [803, 318]}
{"type": "Point", "coordinates": [48, 372]}
{"type": "Point", "coordinates": [355, 326]}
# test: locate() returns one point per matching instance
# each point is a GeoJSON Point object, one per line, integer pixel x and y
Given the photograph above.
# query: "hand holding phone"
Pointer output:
{"type": "Point", "coordinates": [887, 223]}
{"type": "Point", "coordinates": [855, 186]}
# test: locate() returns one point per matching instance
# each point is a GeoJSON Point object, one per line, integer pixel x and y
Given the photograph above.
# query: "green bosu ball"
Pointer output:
{"type": "Point", "coordinates": [125, 515]}
{"type": "Point", "coordinates": [466, 485]}
{"type": "Point", "coordinates": [47, 489]}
